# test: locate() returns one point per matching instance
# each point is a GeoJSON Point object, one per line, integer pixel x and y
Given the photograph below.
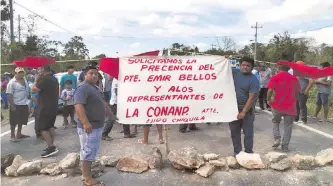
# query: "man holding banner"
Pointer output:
{"type": "Point", "coordinates": [247, 90]}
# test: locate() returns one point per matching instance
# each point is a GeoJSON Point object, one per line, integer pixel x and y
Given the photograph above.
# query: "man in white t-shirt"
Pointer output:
{"type": "Point", "coordinates": [114, 93]}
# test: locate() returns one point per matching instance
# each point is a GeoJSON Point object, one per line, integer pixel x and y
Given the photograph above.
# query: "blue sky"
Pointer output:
{"type": "Point", "coordinates": [130, 27]}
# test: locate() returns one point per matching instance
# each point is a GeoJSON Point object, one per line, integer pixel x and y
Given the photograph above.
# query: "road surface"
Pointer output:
{"type": "Point", "coordinates": [211, 138]}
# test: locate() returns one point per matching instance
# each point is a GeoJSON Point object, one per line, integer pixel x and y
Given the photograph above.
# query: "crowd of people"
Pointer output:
{"type": "Point", "coordinates": [323, 88]}
{"type": "Point", "coordinates": [94, 105]}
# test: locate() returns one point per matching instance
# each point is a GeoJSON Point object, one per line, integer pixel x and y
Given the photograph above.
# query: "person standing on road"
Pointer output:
{"type": "Point", "coordinates": [69, 76]}
{"type": "Point", "coordinates": [99, 83]}
{"type": "Point", "coordinates": [91, 109]}
{"type": "Point", "coordinates": [47, 87]}
{"type": "Point", "coordinates": [18, 93]}
{"type": "Point", "coordinates": [306, 85]}
{"type": "Point", "coordinates": [247, 90]}
{"type": "Point", "coordinates": [107, 87]}
{"type": "Point", "coordinates": [323, 94]}
{"type": "Point", "coordinates": [113, 103]}
{"type": "Point", "coordinates": [257, 74]}
{"type": "Point", "coordinates": [4, 83]}
{"type": "Point", "coordinates": [286, 88]}
{"type": "Point", "coordinates": [67, 96]}
{"type": "Point", "coordinates": [265, 75]}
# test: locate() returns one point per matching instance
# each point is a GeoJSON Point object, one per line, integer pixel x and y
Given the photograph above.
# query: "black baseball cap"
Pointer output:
{"type": "Point", "coordinates": [89, 67]}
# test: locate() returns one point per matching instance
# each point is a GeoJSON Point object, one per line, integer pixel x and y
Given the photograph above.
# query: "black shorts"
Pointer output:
{"type": "Point", "coordinates": [19, 116]}
{"type": "Point", "coordinates": [68, 111]}
{"type": "Point", "coordinates": [45, 119]}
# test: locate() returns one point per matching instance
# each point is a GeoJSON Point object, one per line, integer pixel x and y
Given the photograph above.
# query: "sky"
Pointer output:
{"type": "Point", "coordinates": [132, 26]}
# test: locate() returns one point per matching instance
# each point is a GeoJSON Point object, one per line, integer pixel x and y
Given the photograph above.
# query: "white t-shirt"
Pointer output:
{"type": "Point", "coordinates": [114, 86]}
{"type": "Point", "coordinates": [68, 94]}
{"type": "Point", "coordinates": [20, 92]}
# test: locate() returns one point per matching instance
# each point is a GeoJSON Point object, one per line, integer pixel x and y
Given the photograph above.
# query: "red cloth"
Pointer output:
{"type": "Point", "coordinates": [308, 71]}
{"type": "Point", "coordinates": [285, 87]}
{"type": "Point", "coordinates": [34, 62]}
{"type": "Point", "coordinates": [111, 65]}
{"type": "Point", "coordinates": [151, 53]}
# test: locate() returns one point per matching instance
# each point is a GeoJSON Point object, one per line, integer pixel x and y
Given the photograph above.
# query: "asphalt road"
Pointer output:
{"type": "Point", "coordinates": [211, 138]}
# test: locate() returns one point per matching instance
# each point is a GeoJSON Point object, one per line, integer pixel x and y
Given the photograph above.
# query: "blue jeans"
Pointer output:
{"type": "Point", "coordinates": [89, 143]}
{"type": "Point", "coordinates": [235, 128]}
{"type": "Point", "coordinates": [4, 99]}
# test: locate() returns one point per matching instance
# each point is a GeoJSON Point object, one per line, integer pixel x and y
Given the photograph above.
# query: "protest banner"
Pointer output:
{"type": "Point", "coordinates": [176, 90]}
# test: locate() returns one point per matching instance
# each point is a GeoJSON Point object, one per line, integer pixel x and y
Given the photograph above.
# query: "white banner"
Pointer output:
{"type": "Point", "coordinates": [176, 90]}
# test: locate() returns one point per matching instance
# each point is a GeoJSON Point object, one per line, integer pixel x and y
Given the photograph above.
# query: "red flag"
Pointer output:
{"type": "Point", "coordinates": [151, 53]}
{"type": "Point", "coordinates": [19, 63]}
{"type": "Point", "coordinates": [34, 62]}
{"type": "Point", "coordinates": [308, 71]}
{"type": "Point", "coordinates": [111, 65]}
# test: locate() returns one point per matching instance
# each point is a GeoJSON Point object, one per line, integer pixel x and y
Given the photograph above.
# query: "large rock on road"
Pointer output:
{"type": "Point", "coordinates": [250, 160]}
{"type": "Point", "coordinates": [133, 164]}
{"type": "Point", "coordinates": [12, 169]}
{"type": "Point", "coordinates": [324, 157]}
{"type": "Point", "coordinates": [186, 158]}
{"type": "Point", "coordinates": [30, 168]}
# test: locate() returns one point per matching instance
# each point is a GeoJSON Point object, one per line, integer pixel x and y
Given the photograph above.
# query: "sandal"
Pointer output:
{"type": "Point", "coordinates": [161, 141]}
{"type": "Point", "coordinates": [24, 136]}
{"type": "Point", "coordinates": [98, 183]}
{"type": "Point", "coordinates": [141, 142]}
{"type": "Point", "coordinates": [15, 140]}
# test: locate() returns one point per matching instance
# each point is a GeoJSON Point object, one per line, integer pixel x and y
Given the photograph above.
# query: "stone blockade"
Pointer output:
{"type": "Point", "coordinates": [190, 159]}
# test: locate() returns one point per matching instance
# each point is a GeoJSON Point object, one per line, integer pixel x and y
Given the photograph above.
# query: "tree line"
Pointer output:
{"type": "Point", "coordinates": [281, 47]}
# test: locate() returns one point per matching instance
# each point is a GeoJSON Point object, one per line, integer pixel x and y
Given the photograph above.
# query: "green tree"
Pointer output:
{"type": "Point", "coordinates": [5, 12]}
{"type": "Point", "coordinates": [5, 46]}
{"type": "Point", "coordinates": [75, 49]}
{"type": "Point", "coordinates": [99, 56]}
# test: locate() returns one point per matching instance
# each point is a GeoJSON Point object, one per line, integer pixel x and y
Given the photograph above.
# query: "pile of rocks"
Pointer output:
{"type": "Point", "coordinates": [182, 159]}
{"type": "Point", "coordinates": [206, 164]}
{"type": "Point", "coordinates": [14, 166]}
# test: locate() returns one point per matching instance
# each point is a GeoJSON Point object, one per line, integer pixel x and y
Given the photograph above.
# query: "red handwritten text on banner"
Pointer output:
{"type": "Point", "coordinates": [175, 90]}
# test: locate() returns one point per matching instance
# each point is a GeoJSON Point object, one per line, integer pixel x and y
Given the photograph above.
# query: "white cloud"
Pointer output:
{"type": "Point", "coordinates": [321, 36]}
{"type": "Point", "coordinates": [291, 10]}
{"type": "Point", "coordinates": [84, 17]}
{"type": "Point", "coordinates": [135, 45]}
{"type": "Point", "coordinates": [202, 46]}
{"type": "Point", "coordinates": [173, 18]}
